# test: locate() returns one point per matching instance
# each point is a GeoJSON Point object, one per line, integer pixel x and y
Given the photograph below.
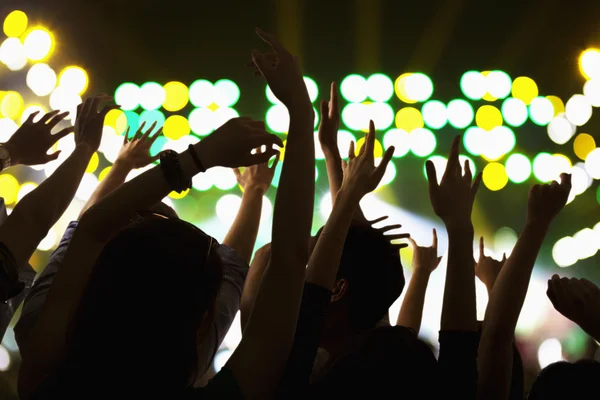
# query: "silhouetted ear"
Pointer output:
{"type": "Point", "coordinates": [339, 290]}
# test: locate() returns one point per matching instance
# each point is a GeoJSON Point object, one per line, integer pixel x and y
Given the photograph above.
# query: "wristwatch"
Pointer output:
{"type": "Point", "coordinates": [4, 158]}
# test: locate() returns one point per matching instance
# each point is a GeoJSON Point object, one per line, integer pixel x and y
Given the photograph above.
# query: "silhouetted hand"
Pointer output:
{"type": "Point", "coordinates": [90, 120]}
{"type": "Point", "coordinates": [453, 198]}
{"type": "Point", "coordinates": [487, 268]}
{"type": "Point", "coordinates": [330, 122]}
{"type": "Point", "coordinates": [386, 228]}
{"type": "Point", "coordinates": [240, 142]}
{"type": "Point", "coordinates": [257, 177]}
{"type": "Point", "coordinates": [425, 259]}
{"type": "Point", "coordinates": [578, 300]}
{"type": "Point", "coordinates": [29, 145]}
{"type": "Point", "coordinates": [360, 174]}
{"type": "Point", "coordinates": [135, 153]}
{"type": "Point", "coordinates": [546, 201]}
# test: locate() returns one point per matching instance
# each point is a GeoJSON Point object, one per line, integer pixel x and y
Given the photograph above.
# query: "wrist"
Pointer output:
{"type": "Point", "coordinates": [331, 153]}
{"type": "Point", "coordinates": [420, 273]}
{"type": "Point", "coordinates": [122, 166]}
{"type": "Point", "coordinates": [254, 190]}
{"type": "Point", "coordinates": [537, 225]}
{"type": "Point", "coordinates": [348, 195]}
{"type": "Point", "coordinates": [13, 153]}
{"type": "Point", "coordinates": [302, 109]}
{"type": "Point", "coordinates": [205, 154]}
{"type": "Point", "coordinates": [460, 227]}
{"type": "Point", "coordinates": [85, 148]}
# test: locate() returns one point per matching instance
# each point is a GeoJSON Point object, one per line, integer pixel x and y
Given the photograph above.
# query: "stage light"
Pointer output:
{"type": "Point", "coordinates": [30, 110]}
{"type": "Point", "coordinates": [498, 84]}
{"type": "Point", "coordinates": [133, 121]}
{"type": "Point", "coordinates": [399, 139]}
{"type": "Point", "coordinates": [422, 142]}
{"type": "Point", "coordinates": [409, 119]}
{"type": "Point", "coordinates": [500, 141]}
{"type": "Point", "coordinates": [563, 252]}
{"type": "Point", "coordinates": [578, 110]}
{"type": "Point", "coordinates": [128, 96]}
{"type": "Point", "coordinates": [494, 176]}
{"type": "Point", "coordinates": [560, 164]}
{"type": "Point", "coordinates": [557, 105]}
{"type": "Point", "coordinates": [38, 44]}
{"type": "Point", "coordinates": [270, 96]}
{"type": "Point", "coordinates": [325, 205]}
{"type": "Point", "coordinates": [9, 188]}
{"type": "Point", "coordinates": [311, 88]}
{"type": "Point", "coordinates": [226, 93]}
{"type": "Point", "coordinates": [488, 117]}
{"type": "Point", "coordinates": [202, 182]}
{"type": "Point", "coordinates": [382, 115]}
{"type": "Point", "coordinates": [158, 145]}
{"type": "Point", "coordinates": [103, 173]}
{"type": "Point", "coordinates": [7, 128]}
{"type": "Point", "coordinates": [355, 116]}
{"type": "Point", "coordinates": [377, 150]}
{"type": "Point", "coordinates": [589, 63]}
{"type": "Point", "coordinates": [518, 168]}
{"type": "Point", "coordinates": [504, 240]}
{"type": "Point", "coordinates": [487, 96]}
{"type": "Point", "coordinates": [543, 167]}
{"type": "Point", "coordinates": [12, 54]}
{"type": "Point", "coordinates": [176, 127]}
{"type": "Point", "coordinates": [178, 196]}
{"type": "Point", "coordinates": [343, 142]}
{"type": "Point", "coordinates": [418, 87]}
{"type": "Point", "coordinates": [49, 242]}
{"type": "Point", "coordinates": [15, 24]}
{"type": "Point", "coordinates": [88, 185]}
{"type": "Point", "coordinates": [541, 111]}
{"type": "Point", "coordinates": [592, 163]}
{"type": "Point", "coordinates": [435, 114]}
{"type": "Point", "coordinates": [560, 129]}
{"type": "Point", "coordinates": [354, 88]}
{"type": "Point", "coordinates": [388, 176]}
{"type": "Point", "coordinates": [11, 105]}
{"type": "Point", "coordinates": [222, 115]}
{"type": "Point", "coordinates": [580, 180]}
{"type": "Point", "coordinates": [151, 116]}
{"type": "Point", "coordinates": [583, 145]}
{"type": "Point", "coordinates": [93, 164]}
{"type": "Point", "coordinates": [474, 140]}
{"type": "Point", "coordinates": [176, 96]}
{"type": "Point", "coordinates": [111, 143]}
{"type": "Point", "coordinates": [4, 359]}
{"type": "Point", "coordinates": [41, 79]}
{"type": "Point", "coordinates": [473, 85]}
{"type": "Point", "coordinates": [202, 93]}
{"type": "Point", "coordinates": [587, 243]}
{"type": "Point", "coordinates": [591, 90]}
{"type": "Point", "coordinates": [278, 119]}
{"type": "Point", "coordinates": [25, 189]}
{"type": "Point", "coordinates": [525, 89]}
{"type": "Point", "coordinates": [63, 100]}
{"type": "Point", "coordinates": [223, 178]}
{"type": "Point", "coordinates": [400, 88]}
{"type": "Point", "coordinates": [151, 96]}
{"type": "Point", "coordinates": [74, 79]}
{"type": "Point", "coordinates": [117, 120]}
{"type": "Point", "coordinates": [227, 208]}
{"type": "Point", "coordinates": [514, 112]}
{"type": "Point", "coordinates": [460, 113]}
{"type": "Point", "coordinates": [380, 87]}
{"type": "Point", "coordinates": [201, 121]}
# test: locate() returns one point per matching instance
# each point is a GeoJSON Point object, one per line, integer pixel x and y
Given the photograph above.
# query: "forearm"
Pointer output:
{"type": "Point", "coordinates": [252, 284]}
{"type": "Point", "coordinates": [411, 311]}
{"type": "Point", "coordinates": [115, 178]}
{"type": "Point", "coordinates": [242, 235]}
{"type": "Point", "coordinates": [459, 311]}
{"type": "Point", "coordinates": [333, 162]}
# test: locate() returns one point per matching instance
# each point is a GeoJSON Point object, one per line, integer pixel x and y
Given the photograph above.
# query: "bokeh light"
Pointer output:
{"type": "Point", "coordinates": [460, 113]}
{"type": "Point", "coordinates": [418, 87]}
{"type": "Point", "coordinates": [9, 188]}
{"type": "Point", "coordinates": [474, 140]}
{"type": "Point", "coordinates": [563, 252]}
{"type": "Point", "coordinates": [355, 116]}
{"type": "Point", "coordinates": [400, 88]}
{"type": "Point", "coordinates": [382, 115]}
{"type": "Point", "coordinates": [409, 119]}
{"type": "Point", "coordinates": [377, 150]}
{"type": "Point", "coordinates": [227, 92]}
{"type": "Point", "coordinates": [524, 89]}
{"type": "Point", "coordinates": [227, 208]}
{"type": "Point", "coordinates": [399, 139]}
{"type": "Point", "coordinates": [354, 88]}
{"type": "Point", "coordinates": [222, 115]}
{"type": "Point", "coordinates": [498, 142]}
{"type": "Point", "coordinates": [578, 110]}
{"type": "Point", "coordinates": [543, 167]}
{"type": "Point", "coordinates": [152, 95]}
{"type": "Point", "coordinates": [149, 117]}
{"type": "Point", "coordinates": [93, 164]}
{"type": "Point", "coordinates": [518, 168]}
{"type": "Point", "coordinates": [541, 111]}
{"type": "Point", "coordinates": [117, 120]}
{"type": "Point", "coordinates": [557, 104]}
{"type": "Point", "coordinates": [488, 117]}
{"type": "Point", "coordinates": [550, 351]}
{"type": "Point", "coordinates": [422, 142]}
{"type": "Point", "coordinates": [514, 112]}
{"type": "Point", "coordinates": [201, 93]}
{"type": "Point", "coordinates": [176, 127]}
{"type": "Point", "coordinates": [74, 79]}
{"type": "Point", "coordinates": [41, 79]}
{"type": "Point", "coordinates": [25, 189]}
{"type": "Point", "coordinates": [583, 145]}
{"type": "Point", "coordinates": [504, 240]}
{"type": "Point", "coordinates": [311, 88]}
{"type": "Point", "coordinates": [30, 110]}
{"type": "Point", "coordinates": [7, 128]}
{"type": "Point", "coordinates": [128, 96]}
{"type": "Point", "coordinates": [11, 105]}
{"type": "Point", "coordinates": [589, 63]}
{"type": "Point", "coordinates": [50, 241]}
{"type": "Point", "coordinates": [473, 85]}
{"type": "Point", "coordinates": [12, 54]}
{"type": "Point", "coordinates": [176, 96]}
{"type": "Point", "coordinates": [435, 114]}
{"type": "Point", "coordinates": [201, 121]}
{"type": "Point", "coordinates": [5, 361]}
{"type": "Point", "coordinates": [38, 44]}
{"type": "Point", "coordinates": [591, 90]}
{"type": "Point", "coordinates": [498, 84]}
{"type": "Point", "coordinates": [494, 176]}
{"type": "Point", "coordinates": [380, 87]}
{"type": "Point", "coordinates": [560, 129]}
{"type": "Point", "coordinates": [15, 24]}
{"type": "Point", "coordinates": [278, 118]}
{"type": "Point", "coordinates": [592, 163]}
{"type": "Point", "coordinates": [344, 139]}
{"type": "Point", "coordinates": [63, 100]}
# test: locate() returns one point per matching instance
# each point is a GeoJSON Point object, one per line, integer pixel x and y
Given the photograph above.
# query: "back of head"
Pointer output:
{"type": "Point", "coordinates": [564, 380]}
{"type": "Point", "coordinates": [146, 298]}
{"type": "Point", "coordinates": [374, 273]}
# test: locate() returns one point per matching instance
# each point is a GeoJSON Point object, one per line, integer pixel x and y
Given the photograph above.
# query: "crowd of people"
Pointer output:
{"type": "Point", "coordinates": [129, 273]}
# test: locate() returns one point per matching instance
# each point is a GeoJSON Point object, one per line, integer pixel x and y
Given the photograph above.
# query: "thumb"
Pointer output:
{"type": "Point", "coordinates": [237, 172]}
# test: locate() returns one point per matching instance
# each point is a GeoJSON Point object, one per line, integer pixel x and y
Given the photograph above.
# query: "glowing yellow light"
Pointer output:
{"type": "Point", "coordinates": [74, 79]}
{"type": "Point", "coordinates": [15, 24]}
{"type": "Point", "coordinates": [524, 89]}
{"type": "Point", "coordinates": [487, 96]}
{"type": "Point", "coordinates": [400, 88]}
{"type": "Point", "coordinates": [117, 120]}
{"type": "Point", "coordinates": [176, 127]}
{"type": "Point", "coordinates": [589, 63]}
{"type": "Point", "coordinates": [9, 188]}
{"type": "Point", "coordinates": [12, 105]}
{"type": "Point", "coordinates": [583, 145]}
{"type": "Point", "coordinates": [93, 164]}
{"type": "Point", "coordinates": [378, 147]}
{"type": "Point", "coordinates": [103, 173]}
{"type": "Point", "coordinates": [562, 162]}
{"type": "Point", "coordinates": [488, 117]}
{"type": "Point", "coordinates": [38, 44]}
{"type": "Point", "coordinates": [176, 96]}
{"type": "Point", "coordinates": [409, 119]}
{"type": "Point", "coordinates": [177, 196]}
{"type": "Point", "coordinates": [494, 176]}
{"type": "Point", "coordinates": [557, 103]}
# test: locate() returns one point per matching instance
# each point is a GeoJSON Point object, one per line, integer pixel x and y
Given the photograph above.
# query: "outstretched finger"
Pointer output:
{"type": "Point", "coordinates": [413, 243]}
{"type": "Point", "coordinates": [351, 154]}
{"type": "Point", "coordinates": [380, 170]}
{"type": "Point", "coordinates": [149, 131]}
{"type": "Point", "coordinates": [272, 40]}
{"type": "Point", "coordinates": [138, 133]}
{"type": "Point", "coordinates": [156, 136]}
{"type": "Point", "coordinates": [370, 142]}
{"type": "Point", "coordinates": [324, 110]}
{"type": "Point", "coordinates": [237, 172]}
{"type": "Point", "coordinates": [378, 220]}
{"type": "Point", "coordinates": [468, 174]}
{"type": "Point", "coordinates": [453, 164]}
{"type": "Point", "coordinates": [431, 177]}
{"type": "Point", "coordinates": [62, 133]}
{"type": "Point", "coordinates": [476, 184]}
{"type": "Point", "coordinates": [31, 117]}
{"type": "Point", "coordinates": [334, 108]}
{"type": "Point", "coordinates": [398, 236]}
{"type": "Point", "coordinates": [57, 119]}
{"type": "Point", "coordinates": [481, 248]}
{"type": "Point", "coordinates": [126, 135]}
{"type": "Point", "coordinates": [48, 116]}
{"type": "Point", "coordinates": [435, 239]}
{"type": "Point", "coordinates": [388, 228]}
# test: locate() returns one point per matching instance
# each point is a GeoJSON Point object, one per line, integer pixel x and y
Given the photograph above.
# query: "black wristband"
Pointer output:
{"type": "Point", "coordinates": [169, 163]}
{"type": "Point", "coordinates": [196, 158]}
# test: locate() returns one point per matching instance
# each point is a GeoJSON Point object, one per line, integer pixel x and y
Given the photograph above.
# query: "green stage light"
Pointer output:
{"type": "Point", "coordinates": [380, 87]}
{"type": "Point", "coordinates": [439, 163]}
{"type": "Point", "coordinates": [399, 139]}
{"type": "Point", "coordinates": [435, 114]}
{"type": "Point", "coordinates": [514, 112]}
{"type": "Point", "coordinates": [226, 93]}
{"type": "Point", "coordinates": [127, 96]}
{"type": "Point", "coordinates": [354, 88]}
{"type": "Point", "coordinates": [202, 93]}
{"type": "Point", "coordinates": [422, 142]}
{"type": "Point", "coordinates": [311, 88]}
{"type": "Point", "coordinates": [133, 122]}
{"type": "Point", "coordinates": [498, 84]}
{"type": "Point", "coordinates": [151, 116]}
{"type": "Point", "coordinates": [473, 85]}
{"type": "Point", "coordinates": [541, 111]}
{"type": "Point", "coordinates": [202, 121]}
{"type": "Point", "coordinates": [158, 145]}
{"type": "Point", "coordinates": [543, 166]}
{"type": "Point", "coordinates": [474, 140]}
{"type": "Point", "coordinates": [418, 87]}
{"type": "Point", "coordinates": [518, 168]}
{"type": "Point", "coordinates": [278, 118]}
{"type": "Point", "coordinates": [152, 96]}
{"type": "Point", "coordinates": [460, 113]}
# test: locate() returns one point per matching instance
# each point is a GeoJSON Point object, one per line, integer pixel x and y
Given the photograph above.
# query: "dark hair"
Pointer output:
{"type": "Point", "coordinates": [374, 273]}
{"type": "Point", "coordinates": [138, 318]}
{"type": "Point", "coordinates": [564, 380]}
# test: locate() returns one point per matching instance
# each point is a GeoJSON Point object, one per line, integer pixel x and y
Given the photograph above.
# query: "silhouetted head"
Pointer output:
{"type": "Point", "coordinates": [148, 302]}
{"type": "Point", "coordinates": [564, 380]}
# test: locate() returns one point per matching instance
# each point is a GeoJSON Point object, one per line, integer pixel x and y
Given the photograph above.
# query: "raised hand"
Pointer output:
{"type": "Point", "coordinates": [240, 142]}
{"type": "Point", "coordinates": [29, 145]}
{"type": "Point", "coordinates": [453, 198]}
{"type": "Point", "coordinates": [282, 72]}
{"type": "Point", "coordinates": [546, 201]}
{"type": "Point", "coordinates": [578, 300]}
{"type": "Point", "coordinates": [257, 177]}
{"type": "Point", "coordinates": [135, 153]}
{"type": "Point", "coordinates": [425, 259]}
{"type": "Point", "coordinates": [330, 122]}
{"type": "Point", "coordinates": [90, 120]}
{"type": "Point", "coordinates": [360, 174]}
{"type": "Point", "coordinates": [488, 268]}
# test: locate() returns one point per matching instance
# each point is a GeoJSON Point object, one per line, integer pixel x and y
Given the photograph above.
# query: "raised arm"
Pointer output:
{"type": "Point", "coordinates": [255, 182]}
{"type": "Point", "coordinates": [510, 288]}
{"type": "Point", "coordinates": [259, 360]}
{"type": "Point", "coordinates": [261, 260]}
{"type": "Point", "coordinates": [487, 268]}
{"type": "Point", "coordinates": [425, 261]}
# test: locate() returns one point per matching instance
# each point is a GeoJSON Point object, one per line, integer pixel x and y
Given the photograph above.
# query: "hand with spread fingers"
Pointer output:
{"type": "Point", "coordinates": [135, 152]}
{"type": "Point", "coordinates": [425, 259]}
{"type": "Point", "coordinates": [387, 228]}
{"type": "Point", "coordinates": [330, 123]}
{"type": "Point", "coordinates": [257, 177]}
{"type": "Point", "coordinates": [29, 145]}
{"type": "Point", "coordinates": [578, 300]}
{"type": "Point", "coordinates": [90, 120]}
{"type": "Point", "coordinates": [487, 268]}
